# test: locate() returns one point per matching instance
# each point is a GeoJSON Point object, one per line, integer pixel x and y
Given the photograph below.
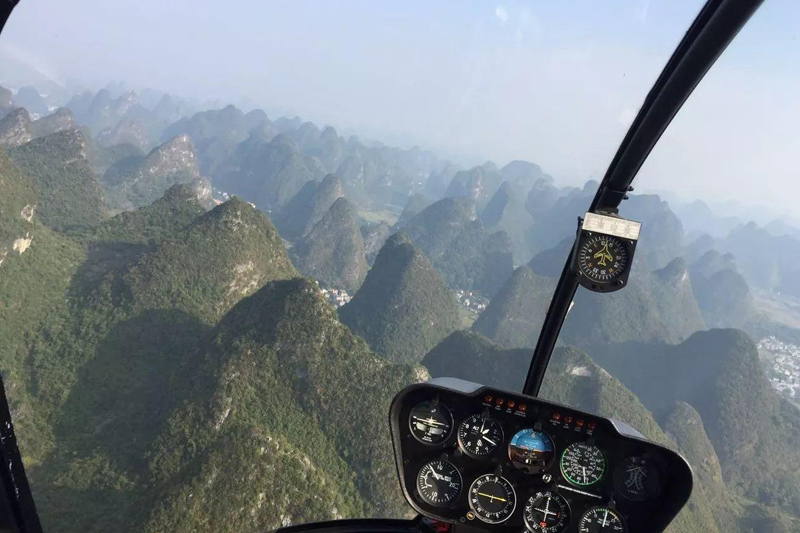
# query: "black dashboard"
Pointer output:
{"type": "Point", "coordinates": [475, 455]}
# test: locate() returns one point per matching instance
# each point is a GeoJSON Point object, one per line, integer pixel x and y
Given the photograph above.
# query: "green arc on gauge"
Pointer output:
{"type": "Point", "coordinates": [596, 476]}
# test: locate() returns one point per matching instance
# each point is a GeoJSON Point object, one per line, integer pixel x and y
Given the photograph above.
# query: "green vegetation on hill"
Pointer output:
{"type": "Point", "coordinates": [722, 293]}
{"type": "Point", "coordinates": [204, 269]}
{"type": "Point", "coordinates": [472, 357]}
{"type": "Point", "coordinates": [150, 224]}
{"type": "Point", "coordinates": [101, 158]}
{"type": "Point", "coordinates": [269, 172]}
{"type": "Point", "coordinates": [375, 235]}
{"type": "Point", "coordinates": [661, 239]}
{"type": "Point", "coordinates": [17, 206]}
{"type": "Point", "coordinates": [308, 207]}
{"type": "Point", "coordinates": [574, 379]}
{"type": "Point", "coordinates": [69, 192]}
{"type": "Point", "coordinates": [333, 251]}
{"type": "Point", "coordinates": [404, 308]}
{"type": "Point", "coordinates": [416, 203]}
{"type": "Point", "coordinates": [216, 134]}
{"type": "Point", "coordinates": [459, 246]}
{"type": "Point", "coordinates": [515, 315]}
{"type": "Point", "coordinates": [655, 307]}
{"type": "Point", "coordinates": [685, 427]}
{"type": "Point", "coordinates": [34, 315]}
{"type": "Point", "coordinates": [285, 366]}
{"type": "Point", "coordinates": [135, 181]}
{"type": "Point", "coordinates": [111, 363]}
{"type": "Point", "coordinates": [718, 373]}
{"type": "Point", "coordinates": [60, 120]}
{"type": "Point", "coordinates": [506, 212]}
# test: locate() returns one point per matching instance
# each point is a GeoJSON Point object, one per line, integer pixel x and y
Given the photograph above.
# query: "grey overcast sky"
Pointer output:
{"type": "Point", "coordinates": [556, 82]}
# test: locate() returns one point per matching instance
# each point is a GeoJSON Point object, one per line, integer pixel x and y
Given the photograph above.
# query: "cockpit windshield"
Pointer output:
{"type": "Point", "coordinates": [231, 232]}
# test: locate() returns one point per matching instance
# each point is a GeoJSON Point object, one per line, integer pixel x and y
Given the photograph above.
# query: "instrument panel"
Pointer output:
{"type": "Point", "coordinates": [502, 461]}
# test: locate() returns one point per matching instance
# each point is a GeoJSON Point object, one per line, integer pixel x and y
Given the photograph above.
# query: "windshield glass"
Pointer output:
{"type": "Point", "coordinates": [231, 232]}
{"type": "Point", "coordinates": [701, 350]}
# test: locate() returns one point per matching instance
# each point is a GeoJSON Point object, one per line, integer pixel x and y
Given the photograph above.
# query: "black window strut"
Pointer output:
{"type": "Point", "coordinates": [712, 30]}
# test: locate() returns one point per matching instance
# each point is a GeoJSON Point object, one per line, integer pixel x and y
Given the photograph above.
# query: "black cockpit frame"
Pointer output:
{"type": "Point", "coordinates": [714, 28]}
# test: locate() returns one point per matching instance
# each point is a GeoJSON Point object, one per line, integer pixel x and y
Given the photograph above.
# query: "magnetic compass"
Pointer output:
{"type": "Point", "coordinates": [603, 258]}
{"type": "Point", "coordinates": [603, 252]}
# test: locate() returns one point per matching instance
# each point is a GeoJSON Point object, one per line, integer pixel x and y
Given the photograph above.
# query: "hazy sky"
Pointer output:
{"type": "Point", "coordinates": [556, 82]}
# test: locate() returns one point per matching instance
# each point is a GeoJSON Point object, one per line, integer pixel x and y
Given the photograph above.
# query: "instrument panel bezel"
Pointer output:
{"type": "Point", "coordinates": [613, 438]}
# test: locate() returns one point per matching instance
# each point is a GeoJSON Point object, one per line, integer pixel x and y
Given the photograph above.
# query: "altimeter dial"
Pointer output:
{"type": "Point", "coordinates": [439, 483]}
{"type": "Point", "coordinates": [479, 435]}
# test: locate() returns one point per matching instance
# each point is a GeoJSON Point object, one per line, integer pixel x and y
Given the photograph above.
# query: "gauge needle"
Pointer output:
{"type": "Point", "coordinates": [487, 439]}
{"type": "Point", "coordinates": [492, 497]}
{"type": "Point", "coordinates": [547, 509]}
{"type": "Point", "coordinates": [584, 474]}
{"type": "Point", "coordinates": [605, 516]}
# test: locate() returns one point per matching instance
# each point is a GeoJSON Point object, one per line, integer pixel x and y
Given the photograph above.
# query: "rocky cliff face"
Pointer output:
{"type": "Point", "coordinates": [15, 128]}
{"type": "Point", "coordinates": [17, 208]}
{"type": "Point", "coordinates": [174, 156]}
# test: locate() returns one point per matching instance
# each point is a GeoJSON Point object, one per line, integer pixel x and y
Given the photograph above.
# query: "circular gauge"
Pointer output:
{"type": "Point", "coordinates": [430, 422]}
{"type": "Point", "coordinates": [583, 464]}
{"type": "Point", "coordinates": [439, 483]}
{"type": "Point", "coordinates": [480, 435]}
{"type": "Point", "coordinates": [637, 479]}
{"type": "Point", "coordinates": [547, 512]}
{"type": "Point", "coordinates": [602, 258]}
{"type": "Point", "coordinates": [531, 451]}
{"type": "Point", "coordinates": [492, 499]}
{"type": "Point", "coordinates": [601, 520]}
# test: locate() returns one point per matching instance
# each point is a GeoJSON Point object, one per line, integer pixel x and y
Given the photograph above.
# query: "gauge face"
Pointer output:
{"type": "Point", "coordinates": [439, 483]}
{"type": "Point", "coordinates": [480, 435]}
{"type": "Point", "coordinates": [492, 499]}
{"type": "Point", "coordinates": [583, 464]}
{"type": "Point", "coordinates": [531, 451]}
{"type": "Point", "coordinates": [547, 512]}
{"type": "Point", "coordinates": [430, 422]}
{"type": "Point", "coordinates": [637, 479]}
{"type": "Point", "coordinates": [603, 258]}
{"type": "Point", "coordinates": [601, 520]}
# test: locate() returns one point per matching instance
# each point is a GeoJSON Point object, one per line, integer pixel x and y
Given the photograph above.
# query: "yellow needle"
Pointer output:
{"type": "Point", "coordinates": [492, 497]}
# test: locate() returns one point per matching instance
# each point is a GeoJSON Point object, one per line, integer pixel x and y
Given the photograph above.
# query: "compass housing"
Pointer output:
{"type": "Point", "coordinates": [603, 252]}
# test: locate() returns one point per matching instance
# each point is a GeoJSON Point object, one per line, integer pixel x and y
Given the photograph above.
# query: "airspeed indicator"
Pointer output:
{"type": "Point", "coordinates": [583, 464]}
